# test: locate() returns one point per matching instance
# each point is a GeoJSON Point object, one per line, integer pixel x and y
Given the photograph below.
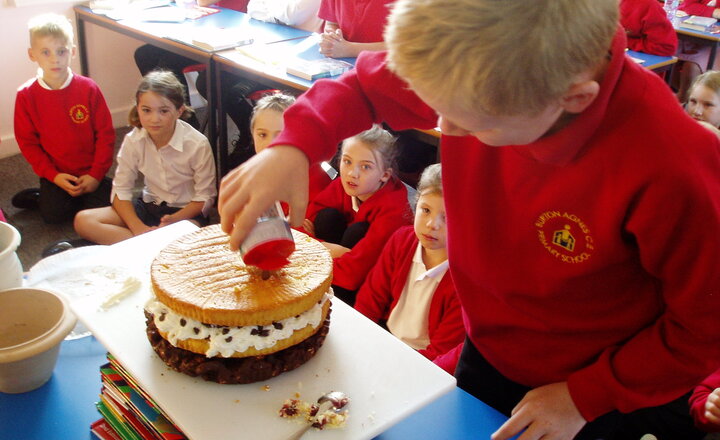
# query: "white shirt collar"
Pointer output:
{"type": "Point", "coordinates": [176, 141]}
{"type": "Point", "coordinates": [355, 203]}
{"type": "Point", "coordinates": [436, 272]}
{"type": "Point", "coordinates": [44, 85]}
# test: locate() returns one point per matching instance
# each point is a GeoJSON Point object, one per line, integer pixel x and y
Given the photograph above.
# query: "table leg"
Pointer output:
{"type": "Point", "coordinates": [221, 125]}
{"type": "Point", "coordinates": [82, 45]}
{"type": "Point", "coordinates": [713, 51]}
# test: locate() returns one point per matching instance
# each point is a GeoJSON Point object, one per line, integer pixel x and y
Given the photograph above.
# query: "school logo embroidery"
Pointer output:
{"type": "Point", "coordinates": [565, 236]}
{"type": "Point", "coordinates": [79, 114]}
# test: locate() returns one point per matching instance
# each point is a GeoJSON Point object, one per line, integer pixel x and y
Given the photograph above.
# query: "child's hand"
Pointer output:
{"type": "Point", "coordinates": [87, 183]}
{"type": "Point", "coordinates": [336, 251]}
{"type": "Point", "coordinates": [141, 229]}
{"type": "Point", "coordinates": [712, 407]}
{"type": "Point", "coordinates": [309, 226]}
{"type": "Point", "coordinates": [332, 44]}
{"type": "Point", "coordinates": [68, 183]}
{"type": "Point", "coordinates": [277, 173]}
{"type": "Point", "coordinates": [546, 412]}
{"type": "Point", "coordinates": [167, 219]}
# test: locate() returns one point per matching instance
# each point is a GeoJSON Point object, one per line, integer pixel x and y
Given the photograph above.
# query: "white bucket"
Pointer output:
{"type": "Point", "coordinates": [33, 323]}
{"type": "Point", "coordinates": [11, 270]}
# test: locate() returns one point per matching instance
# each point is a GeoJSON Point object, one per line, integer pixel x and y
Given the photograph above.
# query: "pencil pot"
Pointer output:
{"type": "Point", "coordinates": [33, 323]}
{"type": "Point", "coordinates": [10, 266]}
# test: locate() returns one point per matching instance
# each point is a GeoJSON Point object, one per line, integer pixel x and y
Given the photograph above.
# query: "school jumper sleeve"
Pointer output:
{"type": "Point", "coordinates": [648, 29]}
{"type": "Point", "coordinates": [28, 138]}
{"type": "Point", "coordinates": [698, 400]}
{"type": "Point", "coordinates": [697, 7]}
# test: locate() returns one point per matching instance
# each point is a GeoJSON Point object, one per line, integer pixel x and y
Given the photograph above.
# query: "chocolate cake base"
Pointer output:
{"type": "Point", "coordinates": [235, 370]}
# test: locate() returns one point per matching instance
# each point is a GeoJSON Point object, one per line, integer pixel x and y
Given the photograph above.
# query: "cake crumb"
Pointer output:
{"type": "Point", "coordinates": [297, 395]}
{"type": "Point", "coordinates": [307, 413]}
{"type": "Point", "coordinates": [266, 387]}
{"type": "Point", "coordinates": [237, 400]}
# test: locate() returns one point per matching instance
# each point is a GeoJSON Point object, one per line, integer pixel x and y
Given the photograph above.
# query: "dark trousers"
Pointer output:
{"type": "Point", "coordinates": [151, 213]}
{"type": "Point", "coordinates": [57, 206]}
{"type": "Point", "coordinates": [331, 226]}
{"type": "Point", "coordinates": [667, 422]}
{"type": "Point", "coordinates": [235, 102]}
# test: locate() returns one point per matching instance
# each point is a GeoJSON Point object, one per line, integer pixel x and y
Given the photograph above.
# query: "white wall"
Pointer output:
{"type": "Point", "coordinates": [110, 62]}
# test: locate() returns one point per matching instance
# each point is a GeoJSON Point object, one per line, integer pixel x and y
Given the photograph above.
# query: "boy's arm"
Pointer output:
{"type": "Point", "coordinates": [329, 112]}
{"type": "Point", "coordinates": [660, 37]}
{"type": "Point", "coordinates": [28, 139]}
{"type": "Point", "coordinates": [697, 7]}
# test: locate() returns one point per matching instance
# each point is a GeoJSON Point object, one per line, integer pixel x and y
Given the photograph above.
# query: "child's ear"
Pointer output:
{"type": "Point", "coordinates": [386, 175]}
{"type": "Point", "coordinates": [30, 54]}
{"type": "Point", "coordinates": [580, 96]}
{"type": "Point", "coordinates": [73, 51]}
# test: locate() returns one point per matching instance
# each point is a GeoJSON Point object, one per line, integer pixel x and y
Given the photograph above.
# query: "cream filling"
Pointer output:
{"type": "Point", "coordinates": [225, 340]}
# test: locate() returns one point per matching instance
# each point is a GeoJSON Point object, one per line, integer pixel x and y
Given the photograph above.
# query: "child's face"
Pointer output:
{"type": "Point", "coordinates": [495, 131]}
{"type": "Point", "coordinates": [266, 126]}
{"type": "Point", "coordinates": [53, 55]}
{"type": "Point", "coordinates": [704, 105]}
{"type": "Point", "coordinates": [360, 172]}
{"type": "Point", "coordinates": [158, 116]}
{"type": "Point", "coordinates": [430, 221]}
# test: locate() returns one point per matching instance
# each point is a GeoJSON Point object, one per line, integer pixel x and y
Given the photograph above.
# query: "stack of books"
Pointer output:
{"type": "Point", "coordinates": [128, 412]}
{"type": "Point", "coordinates": [697, 23]}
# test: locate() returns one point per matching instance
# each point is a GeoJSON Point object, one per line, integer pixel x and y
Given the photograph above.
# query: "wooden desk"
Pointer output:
{"type": "Point", "coordinates": [703, 38]}
{"type": "Point", "coordinates": [176, 38]}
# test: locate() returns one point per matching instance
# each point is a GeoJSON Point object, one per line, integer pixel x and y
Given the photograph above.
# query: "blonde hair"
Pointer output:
{"type": "Point", "coordinates": [165, 84]}
{"type": "Point", "coordinates": [381, 143]}
{"type": "Point", "coordinates": [709, 79]}
{"type": "Point", "coordinates": [430, 181]}
{"type": "Point", "coordinates": [277, 101]}
{"type": "Point", "coordinates": [499, 57]}
{"type": "Point", "coordinates": [51, 25]}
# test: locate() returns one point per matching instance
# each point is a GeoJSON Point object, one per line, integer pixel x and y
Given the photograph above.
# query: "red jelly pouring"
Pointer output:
{"type": "Point", "coordinates": [270, 242]}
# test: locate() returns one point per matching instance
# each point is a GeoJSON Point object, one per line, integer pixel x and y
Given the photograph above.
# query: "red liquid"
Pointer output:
{"type": "Point", "coordinates": [271, 255]}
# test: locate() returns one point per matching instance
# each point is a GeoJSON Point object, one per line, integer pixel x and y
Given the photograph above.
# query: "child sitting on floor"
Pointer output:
{"type": "Point", "coordinates": [63, 128]}
{"type": "Point", "coordinates": [175, 159]}
{"type": "Point", "coordinates": [410, 289]}
{"type": "Point", "coordinates": [357, 213]}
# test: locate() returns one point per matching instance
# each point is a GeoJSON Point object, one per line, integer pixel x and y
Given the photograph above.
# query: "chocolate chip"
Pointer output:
{"type": "Point", "coordinates": [183, 322]}
{"type": "Point", "coordinates": [277, 325]}
{"type": "Point", "coordinates": [228, 339]}
{"type": "Point", "coordinates": [161, 317]}
{"type": "Point", "coordinates": [254, 332]}
{"type": "Point", "coordinates": [225, 331]}
{"type": "Point", "coordinates": [264, 333]}
{"type": "Point", "coordinates": [196, 330]}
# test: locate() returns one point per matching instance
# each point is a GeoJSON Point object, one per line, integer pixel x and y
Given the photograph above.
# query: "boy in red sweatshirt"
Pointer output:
{"type": "Point", "coordinates": [583, 206]}
{"type": "Point", "coordinates": [63, 127]}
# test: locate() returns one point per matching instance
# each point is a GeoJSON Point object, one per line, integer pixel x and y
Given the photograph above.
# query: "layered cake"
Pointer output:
{"type": "Point", "coordinates": [214, 317]}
